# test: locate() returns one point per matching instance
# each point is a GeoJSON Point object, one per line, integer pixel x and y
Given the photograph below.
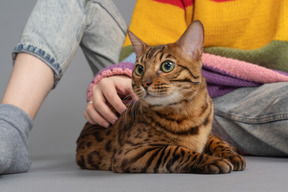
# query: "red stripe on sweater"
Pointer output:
{"type": "Point", "coordinates": [179, 3]}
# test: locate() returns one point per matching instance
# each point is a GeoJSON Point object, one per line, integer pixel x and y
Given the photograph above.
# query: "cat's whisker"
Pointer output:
{"type": "Point", "coordinates": [127, 98]}
{"type": "Point", "coordinates": [128, 105]}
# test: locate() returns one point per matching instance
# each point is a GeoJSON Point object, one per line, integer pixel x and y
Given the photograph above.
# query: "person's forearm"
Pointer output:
{"type": "Point", "coordinates": [31, 80]}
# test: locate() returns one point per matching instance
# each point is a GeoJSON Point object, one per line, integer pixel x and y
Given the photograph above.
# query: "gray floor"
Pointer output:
{"type": "Point", "coordinates": [60, 173]}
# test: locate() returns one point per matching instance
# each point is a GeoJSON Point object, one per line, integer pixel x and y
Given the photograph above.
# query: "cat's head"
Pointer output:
{"type": "Point", "coordinates": [168, 74]}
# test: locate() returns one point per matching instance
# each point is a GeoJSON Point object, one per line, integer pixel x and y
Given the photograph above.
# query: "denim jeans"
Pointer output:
{"type": "Point", "coordinates": [254, 119]}
{"type": "Point", "coordinates": [56, 28]}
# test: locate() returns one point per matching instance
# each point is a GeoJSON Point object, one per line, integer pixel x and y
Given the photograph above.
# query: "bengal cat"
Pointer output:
{"type": "Point", "coordinates": [168, 130]}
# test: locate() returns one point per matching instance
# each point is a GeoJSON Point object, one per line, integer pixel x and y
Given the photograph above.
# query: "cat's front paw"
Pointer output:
{"type": "Point", "coordinates": [219, 166]}
{"type": "Point", "coordinates": [238, 162]}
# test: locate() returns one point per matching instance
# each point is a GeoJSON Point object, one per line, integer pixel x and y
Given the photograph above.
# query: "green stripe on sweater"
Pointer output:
{"type": "Point", "coordinates": [125, 52]}
{"type": "Point", "coordinates": [273, 56]}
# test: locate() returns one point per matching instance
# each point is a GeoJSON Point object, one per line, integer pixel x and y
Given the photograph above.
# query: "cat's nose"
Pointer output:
{"type": "Point", "coordinates": [146, 84]}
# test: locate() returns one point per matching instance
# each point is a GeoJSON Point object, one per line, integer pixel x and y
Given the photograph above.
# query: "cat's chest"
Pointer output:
{"type": "Point", "coordinates": [148, 134]}
{"type": "Point", "coordinates": [195, 143]}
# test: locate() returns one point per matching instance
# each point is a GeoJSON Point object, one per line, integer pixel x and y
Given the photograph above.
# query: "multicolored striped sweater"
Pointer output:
{"type": "Point", "coordinates": [246, 41]}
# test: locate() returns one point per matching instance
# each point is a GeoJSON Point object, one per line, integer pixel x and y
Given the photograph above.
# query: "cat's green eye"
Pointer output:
{"type": "Point", "coordinates": [139, 70]}
{"type": "Point", "coordinates": [167, 66]}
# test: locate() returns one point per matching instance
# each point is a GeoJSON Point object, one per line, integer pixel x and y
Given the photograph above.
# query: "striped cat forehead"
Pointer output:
{"type": "Point", "coordinates": [156, 53]}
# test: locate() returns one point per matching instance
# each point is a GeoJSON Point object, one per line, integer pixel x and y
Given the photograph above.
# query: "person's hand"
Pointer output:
{"type": "Point", "coordinates": [109, 91]}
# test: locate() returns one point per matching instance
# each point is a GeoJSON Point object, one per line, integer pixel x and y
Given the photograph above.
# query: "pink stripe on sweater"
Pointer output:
{"type": "Point", "coordinates": [247, 71]}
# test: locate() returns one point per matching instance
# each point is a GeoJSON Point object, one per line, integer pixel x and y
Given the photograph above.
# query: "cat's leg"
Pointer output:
{"type": "Point", "coordinates": [167, 159]}
{"type": "Point", "coordinates": [94, 148]}
{"type": "Point", "coordinates": [217, 147]}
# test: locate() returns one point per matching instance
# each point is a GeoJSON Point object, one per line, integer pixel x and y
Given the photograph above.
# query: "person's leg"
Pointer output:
{"type": "Point", "coordinates": [47, 44]}
{"type": "Point", "coordinates": [30, 82]}
{"type": "Point", "coordinates": [51, 37]}
{"type": "Point", "coordinates": [103, 39]}
{"type": "Point", "coordinates": [255, 120]}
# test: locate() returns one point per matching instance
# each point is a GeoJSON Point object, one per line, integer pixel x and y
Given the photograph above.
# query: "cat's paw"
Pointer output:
{"type": "Point", "coordinates": [219, 166]}
{"type": "Point", "coordinates": [238, 162]}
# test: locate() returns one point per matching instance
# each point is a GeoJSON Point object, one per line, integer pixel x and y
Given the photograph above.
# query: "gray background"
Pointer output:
{"type": "Point", "coordinates": [60, 118]}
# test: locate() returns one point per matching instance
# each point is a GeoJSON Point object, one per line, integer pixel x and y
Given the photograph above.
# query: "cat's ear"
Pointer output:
{"type": "Point", "coordinates": [138, 45]}
{"type": "Point", "coordinates": [192, 40]}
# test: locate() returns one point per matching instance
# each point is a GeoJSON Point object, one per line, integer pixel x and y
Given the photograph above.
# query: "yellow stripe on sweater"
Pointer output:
{"type": "Point", "coordinates": [157, 23]}
{"type": "Point", "coordinates": [243, 24]}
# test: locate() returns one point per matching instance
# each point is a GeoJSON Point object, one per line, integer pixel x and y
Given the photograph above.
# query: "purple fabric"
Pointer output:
{"type": "Point", "coordinates": [219, 83]}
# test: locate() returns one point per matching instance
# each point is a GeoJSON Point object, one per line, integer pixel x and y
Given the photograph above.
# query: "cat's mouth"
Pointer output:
{"type": "Point", "coordinates": [149, 97]}
{"type": "Point", "coordinates": [159, 99]}
{"type": "Point", "coordinates": [149, 94]}
{"type": "Point", "coordinates": [154, 100]}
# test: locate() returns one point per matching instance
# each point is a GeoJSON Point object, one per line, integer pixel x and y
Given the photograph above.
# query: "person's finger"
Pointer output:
{"type": "Point", "coordinates": [125, 89]}
{"type": "Point", "coordinates": [93, 117]}
{"type": "Point", "coordinates": [100, 105]}
{"type": "Point", "coordinates": [88, 118]}
{"type": "Point", "coordinates": [131, 93]}
{"type": "Point", "coordinates": [113, 98]}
